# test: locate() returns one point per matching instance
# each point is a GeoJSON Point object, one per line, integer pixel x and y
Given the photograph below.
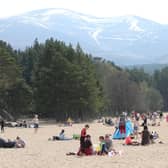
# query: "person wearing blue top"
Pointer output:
{"type": "Point", "coordinates": [60, 137]}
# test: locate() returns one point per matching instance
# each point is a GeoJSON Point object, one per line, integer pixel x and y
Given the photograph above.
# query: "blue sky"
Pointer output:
{"type": "Point", "coordinates": [151, 9]}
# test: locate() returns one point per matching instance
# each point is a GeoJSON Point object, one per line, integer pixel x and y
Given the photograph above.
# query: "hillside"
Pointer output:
{"type": "Point", "coordinates": [125, 40]}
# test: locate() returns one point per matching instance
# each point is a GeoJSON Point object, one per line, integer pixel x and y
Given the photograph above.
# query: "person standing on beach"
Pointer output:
{"type": "Point", "coordinates": [2, 125]}
{"type": "Point", "coordinates": [122, 128]}
{"type": "Point", "coordinates": [145, 136]}
{"type": "Point", "coordinates": [82, 139]}
{"type": "Point", "coordinates": [36, 123]}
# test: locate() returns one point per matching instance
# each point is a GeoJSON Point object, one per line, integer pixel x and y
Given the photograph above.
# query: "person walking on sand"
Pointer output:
{"type": "Point", "coordinates": [36, 123]}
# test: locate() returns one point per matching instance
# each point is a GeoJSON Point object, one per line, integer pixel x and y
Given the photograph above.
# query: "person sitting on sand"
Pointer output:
{"type": "Point", "coordinates": [128, 141]}
{"type": "Point", "coordinates": [102, 147]}
{"type": "Point", "coordinates": [60, 137]}
{"type": "Point", "coordinates": [19, 143]}
{"type": "Point", "coordinates": [108, 143]}
{"type": "Point", "coordinates": [88, 150]}
{"type": "Point", "coordinates": [145, 136]}
{"type": "Point", "coordinates": [155, 135]}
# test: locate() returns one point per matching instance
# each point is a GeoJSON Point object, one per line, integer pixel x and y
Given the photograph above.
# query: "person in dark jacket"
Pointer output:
{"type": "Point", "coordinates": [2, 123]}
{"type": "Point", "coordinates": [145, 136]}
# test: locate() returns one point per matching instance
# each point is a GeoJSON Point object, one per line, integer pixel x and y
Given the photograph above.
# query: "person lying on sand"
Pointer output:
{"type": "Point", "coordinates": [17, 143]}
{"type": "Point", "coordinates": [60, 137]}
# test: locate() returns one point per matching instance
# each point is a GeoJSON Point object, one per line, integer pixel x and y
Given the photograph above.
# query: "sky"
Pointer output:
{"type": "Point", "coordinates": [155, 10]}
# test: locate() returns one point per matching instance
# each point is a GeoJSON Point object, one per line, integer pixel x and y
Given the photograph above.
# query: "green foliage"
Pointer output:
{"type": "Point", "coordinates": [160, 82]}
{"type": "Point", "coordinates": [65, 83]}
{"type": "Point", "coordinates": [126, 90]}
{"type": "Point", "coordinates": [13, 90]}
{"type": "Point", "coordinates": [58, 81]}
{"type": "Point", "coordinates": [153, 100]}
{"type": "Point", "coordinates": [138, 75]}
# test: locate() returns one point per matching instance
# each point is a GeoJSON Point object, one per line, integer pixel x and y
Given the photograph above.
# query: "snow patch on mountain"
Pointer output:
{"type": "Point", "coordinates": [118, 38]}
{"type": "Point", "coordinates": [134, 26]}
{"type": "Point", "coordinates": [51, 12]}
{"type": "Point", "coordinates": [95, 35]}
{"type": "Point", "coordinates": [34, 21]}
{"type": "Point", "coordinates": [88, 19]}
{"type": "Point", "coordinates": [107, 37]}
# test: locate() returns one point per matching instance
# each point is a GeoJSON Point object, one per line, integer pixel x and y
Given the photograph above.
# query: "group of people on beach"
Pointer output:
{"type": "Point", "coordinates": [18, 142]}
{"type": "Point", "coordinates": [105, 142]}
{"type": "Point", "coordinates": [146, 136]}
{"type": "Point", "coordinates": [86, 146]}
{"type": "Point", "coordinates": [21, 124]}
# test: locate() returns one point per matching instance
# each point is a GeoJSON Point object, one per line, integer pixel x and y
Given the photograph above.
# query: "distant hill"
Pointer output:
{"type": "Point", "coordinates": [125, 40]}
{"type": "Point", "coordinates": [148, 68]}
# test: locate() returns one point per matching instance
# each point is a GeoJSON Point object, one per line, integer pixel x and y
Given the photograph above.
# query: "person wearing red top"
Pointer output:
{"type": "Point", "coordinates": [82, 139]}
{"type": "Point", "coordinates": [128, 141]}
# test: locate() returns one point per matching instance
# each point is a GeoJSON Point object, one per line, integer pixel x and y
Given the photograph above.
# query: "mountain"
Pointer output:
{"type": "Point", "coordinates": [148, 68]}
{"type": "Point", "coordinates": [124, 39]}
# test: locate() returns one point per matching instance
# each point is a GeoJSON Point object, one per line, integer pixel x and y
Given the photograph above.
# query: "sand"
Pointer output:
{"type": "Point", "coordinates": [41, 153]}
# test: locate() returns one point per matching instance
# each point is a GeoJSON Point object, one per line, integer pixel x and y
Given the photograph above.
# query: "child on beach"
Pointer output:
{"type": "Point", "coordinates": [102, 147]}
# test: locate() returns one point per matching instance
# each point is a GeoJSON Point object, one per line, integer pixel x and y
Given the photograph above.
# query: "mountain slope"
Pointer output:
{"type": "Point", "coordinates": [125, 39]}
{"type": "Point", "coordinates": [148, 68]}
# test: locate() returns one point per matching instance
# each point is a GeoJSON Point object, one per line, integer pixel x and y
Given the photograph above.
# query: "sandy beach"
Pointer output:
{"type": "Point", "coordinates": [41, 153]}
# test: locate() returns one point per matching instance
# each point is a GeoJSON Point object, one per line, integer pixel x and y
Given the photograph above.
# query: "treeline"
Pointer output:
{"type": "Point", "coordinates": [58, 81]}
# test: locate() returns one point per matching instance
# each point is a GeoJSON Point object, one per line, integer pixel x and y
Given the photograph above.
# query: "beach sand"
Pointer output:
{"type": "Point", "coordinates": [41, 153]}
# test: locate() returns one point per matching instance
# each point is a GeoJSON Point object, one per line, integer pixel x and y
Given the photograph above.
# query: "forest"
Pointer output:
{"type": "Point", "coordinates": [57, 81]}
